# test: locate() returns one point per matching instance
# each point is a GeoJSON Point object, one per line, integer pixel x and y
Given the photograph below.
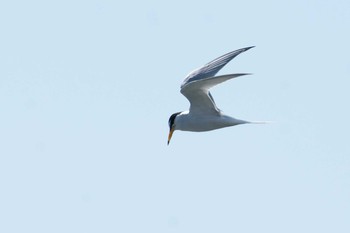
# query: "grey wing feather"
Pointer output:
{"type": "Point", "coordinates": [213, 67]}
{"type": "Point", "coordinates": [211, 97]}
{"type": "Point", "coordinates": [197, 92]}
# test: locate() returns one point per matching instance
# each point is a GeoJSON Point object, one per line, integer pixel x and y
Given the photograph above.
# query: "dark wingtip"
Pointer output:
{"type": "Point", "coordinates": [249, 47]}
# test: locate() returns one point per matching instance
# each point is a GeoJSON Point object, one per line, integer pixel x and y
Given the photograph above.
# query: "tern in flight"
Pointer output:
{"type": "Point", "coordinates": [203, 114]}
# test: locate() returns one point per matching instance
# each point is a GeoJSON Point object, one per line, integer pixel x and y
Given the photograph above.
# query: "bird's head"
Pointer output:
{"type": "Point", "coordinates": [172, 125]}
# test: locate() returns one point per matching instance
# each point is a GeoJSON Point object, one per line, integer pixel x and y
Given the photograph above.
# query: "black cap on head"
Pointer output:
{"type": "Point", "coordinates": [172, 119]}
{"type": "Point", "coordinates": [171, 125]}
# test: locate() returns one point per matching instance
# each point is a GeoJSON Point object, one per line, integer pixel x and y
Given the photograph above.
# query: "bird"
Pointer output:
{"type": "Point", "coordinates": [203, 114]}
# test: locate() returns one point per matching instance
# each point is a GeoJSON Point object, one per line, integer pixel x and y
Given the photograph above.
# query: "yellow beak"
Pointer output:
{"type": "Point", "coordinates": [170, 134]}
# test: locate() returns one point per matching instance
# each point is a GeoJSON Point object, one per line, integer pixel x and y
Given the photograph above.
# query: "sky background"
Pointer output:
{"type": "Point", "coordinates": [87, 87]}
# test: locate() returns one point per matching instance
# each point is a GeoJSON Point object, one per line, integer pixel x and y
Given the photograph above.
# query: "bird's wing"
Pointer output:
{"type": "Point", "coordinates": [211, 68]}
{"type": "Point", "coordinates": [197, 92]}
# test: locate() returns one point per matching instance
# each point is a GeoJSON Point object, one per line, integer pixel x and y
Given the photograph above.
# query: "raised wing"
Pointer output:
{"type": "Point", "coordinates": [197, 92]}
{"type": "Point", "coordinates": [211, 68]}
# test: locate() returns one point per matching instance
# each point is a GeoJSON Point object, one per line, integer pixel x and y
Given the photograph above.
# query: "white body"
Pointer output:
{"type": "Point", "coordinates": [199, 123]}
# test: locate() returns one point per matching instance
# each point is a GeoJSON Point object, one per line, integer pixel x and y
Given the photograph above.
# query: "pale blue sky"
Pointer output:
{"type": "Point", "coordinates": [86, 89]}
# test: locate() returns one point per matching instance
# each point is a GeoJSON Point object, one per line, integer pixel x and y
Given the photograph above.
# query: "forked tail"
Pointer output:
{"type": "Point", "coordinates": [260, 122]}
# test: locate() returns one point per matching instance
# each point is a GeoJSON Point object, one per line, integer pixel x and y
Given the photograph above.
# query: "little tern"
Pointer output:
{"type": "Point", "coordinates": [203, 114]}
